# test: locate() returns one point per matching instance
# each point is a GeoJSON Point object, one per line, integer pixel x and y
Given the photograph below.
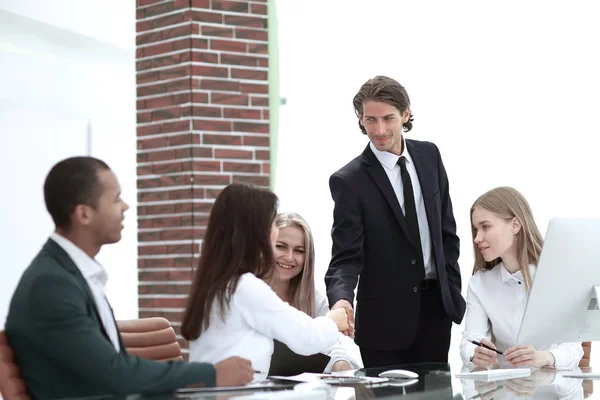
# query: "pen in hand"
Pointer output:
{"type": "Point", "coordinates": [476, 343]}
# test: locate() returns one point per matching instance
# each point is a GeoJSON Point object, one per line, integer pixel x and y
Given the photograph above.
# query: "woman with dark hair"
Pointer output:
{"type": "Point", "coordinates": [230, 309]}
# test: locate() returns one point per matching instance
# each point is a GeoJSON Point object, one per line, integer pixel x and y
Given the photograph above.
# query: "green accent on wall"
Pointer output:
{"type": "Point", "coordinates": [274, 99]}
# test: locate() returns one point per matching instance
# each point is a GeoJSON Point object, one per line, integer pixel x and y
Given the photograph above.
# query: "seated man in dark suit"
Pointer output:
{"type": "Point", "coordinates": [60, 323]}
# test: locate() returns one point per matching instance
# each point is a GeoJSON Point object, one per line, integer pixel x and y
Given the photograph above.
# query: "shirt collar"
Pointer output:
{"type": "Point", "coordinates": [517, 276]}
{"type": "Point", "coordinates": [389, 160]}
{"type": "Point", "coordinates": [89, 267]}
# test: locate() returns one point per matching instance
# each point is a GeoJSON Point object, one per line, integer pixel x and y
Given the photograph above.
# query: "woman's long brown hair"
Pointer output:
{"type": "Point", "coordinates": [237, 241]}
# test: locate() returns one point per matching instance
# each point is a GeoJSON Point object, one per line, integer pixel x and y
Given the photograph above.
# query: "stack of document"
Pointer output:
{"type": "Point", "coordinates": [495, 374]}
{"type": "Point", "coordinates": [331, 379]}
{"type": "Point", "coordinates": [266, 384]}
{"type": "Point", "coordinates": [583, 375]}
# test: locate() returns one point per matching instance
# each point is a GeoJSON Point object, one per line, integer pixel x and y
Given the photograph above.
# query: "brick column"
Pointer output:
{"type": "Point", "coordinates": [203, 123]}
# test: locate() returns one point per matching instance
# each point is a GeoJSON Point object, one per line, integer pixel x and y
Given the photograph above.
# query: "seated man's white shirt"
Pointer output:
{"type": "Point", "coordinates": [96, 277]}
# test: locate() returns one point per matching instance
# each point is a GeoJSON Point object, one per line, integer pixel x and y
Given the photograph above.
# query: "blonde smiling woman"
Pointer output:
{"type": "Point", "coordinates": [293, 281]}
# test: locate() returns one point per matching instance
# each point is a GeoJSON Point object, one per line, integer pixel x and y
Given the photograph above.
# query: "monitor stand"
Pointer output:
{"type": "Point", "coordinates": [594, 302]}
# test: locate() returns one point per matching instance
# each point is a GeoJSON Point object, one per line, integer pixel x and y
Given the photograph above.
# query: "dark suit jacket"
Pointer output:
{"type": "Point", "coordinates": [370, 239]}
{"type": "Point", "coordinates": [61, 346]}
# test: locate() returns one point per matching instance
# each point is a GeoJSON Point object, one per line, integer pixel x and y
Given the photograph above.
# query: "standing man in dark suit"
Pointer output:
{"type": "Point", "coordinates": [60, 325]}
{"type": "Point", "coordinates": [393, 226]}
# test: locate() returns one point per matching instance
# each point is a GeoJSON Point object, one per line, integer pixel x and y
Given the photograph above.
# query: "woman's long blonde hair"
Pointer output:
{"type": "Point", "coordinates": [302, 286]}
{"type": "Point", "coordinates": [507, 203]}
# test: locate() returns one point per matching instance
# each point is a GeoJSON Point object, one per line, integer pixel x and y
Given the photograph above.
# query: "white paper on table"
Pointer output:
{"type": "Point", "coordinates": [495, 374]}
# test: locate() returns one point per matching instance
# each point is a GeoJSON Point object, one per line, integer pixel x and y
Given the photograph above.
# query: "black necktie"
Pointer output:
{"type": "Point", "coordinates": [410, 212]}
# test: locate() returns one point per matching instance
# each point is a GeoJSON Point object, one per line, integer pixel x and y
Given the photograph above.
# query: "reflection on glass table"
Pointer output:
{"type": "Point", "coordinates": [435, 381]}
{"type": "Point", "coordinates": [544, 384]}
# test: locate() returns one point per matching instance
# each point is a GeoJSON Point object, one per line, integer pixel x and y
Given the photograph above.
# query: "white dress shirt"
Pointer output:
{"type": "Point", "coordinates": [390, 165]}
{"type": "Point", "coordinates": [255, 317]}
{"type": "Point", "coordinates": [496, 301]}
{"type": "Point", "coordinates": [340, 350]}
{"type": "Point", "coordinates": [96, 277]}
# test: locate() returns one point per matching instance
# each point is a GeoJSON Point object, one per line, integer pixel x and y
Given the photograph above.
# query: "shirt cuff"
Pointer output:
{"type": "Point", "coordinates": [560, 359]}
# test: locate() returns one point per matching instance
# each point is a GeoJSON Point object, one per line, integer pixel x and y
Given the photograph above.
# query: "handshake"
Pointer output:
{"type": "Point", "coordinates": [342, 314]}
{"type": "Point", "coordinates": [235, 371]}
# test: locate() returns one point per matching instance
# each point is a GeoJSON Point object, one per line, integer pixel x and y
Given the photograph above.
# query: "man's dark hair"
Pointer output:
{"type": "Point", "coordinates": [71, 182]}
{"type": "Point", "coordinates": [384, 90]}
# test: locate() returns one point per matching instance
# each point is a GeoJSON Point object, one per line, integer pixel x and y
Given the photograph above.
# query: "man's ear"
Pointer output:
{"type": "Point", "coordinates": [82, 214]}
{"type": "Point", "coordinates": [360, 120]}
{"type": "Point", "coordinates": [406, 115]}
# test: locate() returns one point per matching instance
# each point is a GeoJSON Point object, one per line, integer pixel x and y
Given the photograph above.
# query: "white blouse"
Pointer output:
{"type": "Point", "coordinates": [496, 301]}
{"type": "Point", "coordinates": [255, 317]}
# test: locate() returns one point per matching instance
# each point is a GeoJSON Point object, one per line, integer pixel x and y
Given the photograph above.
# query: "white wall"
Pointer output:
{"type": "Point", "coordinates": [508, 91]}
{"type": "Point", "coordinates": [109, 21]}
{"type": "Point", "coordinates": [63, 73]}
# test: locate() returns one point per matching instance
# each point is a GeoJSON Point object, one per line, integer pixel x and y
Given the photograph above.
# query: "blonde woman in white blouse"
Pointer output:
{"type": "Point", "coordinates": [507, 244]}
{"type": "Point", "coordinates": [231, 311]}
{"type": "Point", "coordinates": [293, 281]}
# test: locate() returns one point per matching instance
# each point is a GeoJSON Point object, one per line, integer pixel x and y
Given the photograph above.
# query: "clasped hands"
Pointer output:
{"type": "Point", "coordinates": [519, 356]}
{"type": "Point", "coordinates": [343, 311]}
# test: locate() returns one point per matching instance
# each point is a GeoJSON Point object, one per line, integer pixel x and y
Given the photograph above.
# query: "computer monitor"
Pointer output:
{"type": "Point", "coordinates": [563, 302]}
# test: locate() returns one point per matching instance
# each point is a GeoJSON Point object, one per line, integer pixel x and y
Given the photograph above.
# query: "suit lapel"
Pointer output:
{"type": "Point", "coordinates": [121, 344]}
{"type": "Point", "coordinates": [422, 169]}
{"type": "Point", "coordinates": [424, 172]}
{"type": "Point", "coordinates": [61, 256]}
{"type": "Point", "coordinates": [375, 169]}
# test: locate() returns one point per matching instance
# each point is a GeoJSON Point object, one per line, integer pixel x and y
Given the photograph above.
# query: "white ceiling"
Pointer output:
{"type": "Point", "coordinates": [109, 21]}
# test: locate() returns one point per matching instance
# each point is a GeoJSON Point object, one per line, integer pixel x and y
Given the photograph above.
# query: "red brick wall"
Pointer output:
{"type": "Point", "coordinates": [203, 123]}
